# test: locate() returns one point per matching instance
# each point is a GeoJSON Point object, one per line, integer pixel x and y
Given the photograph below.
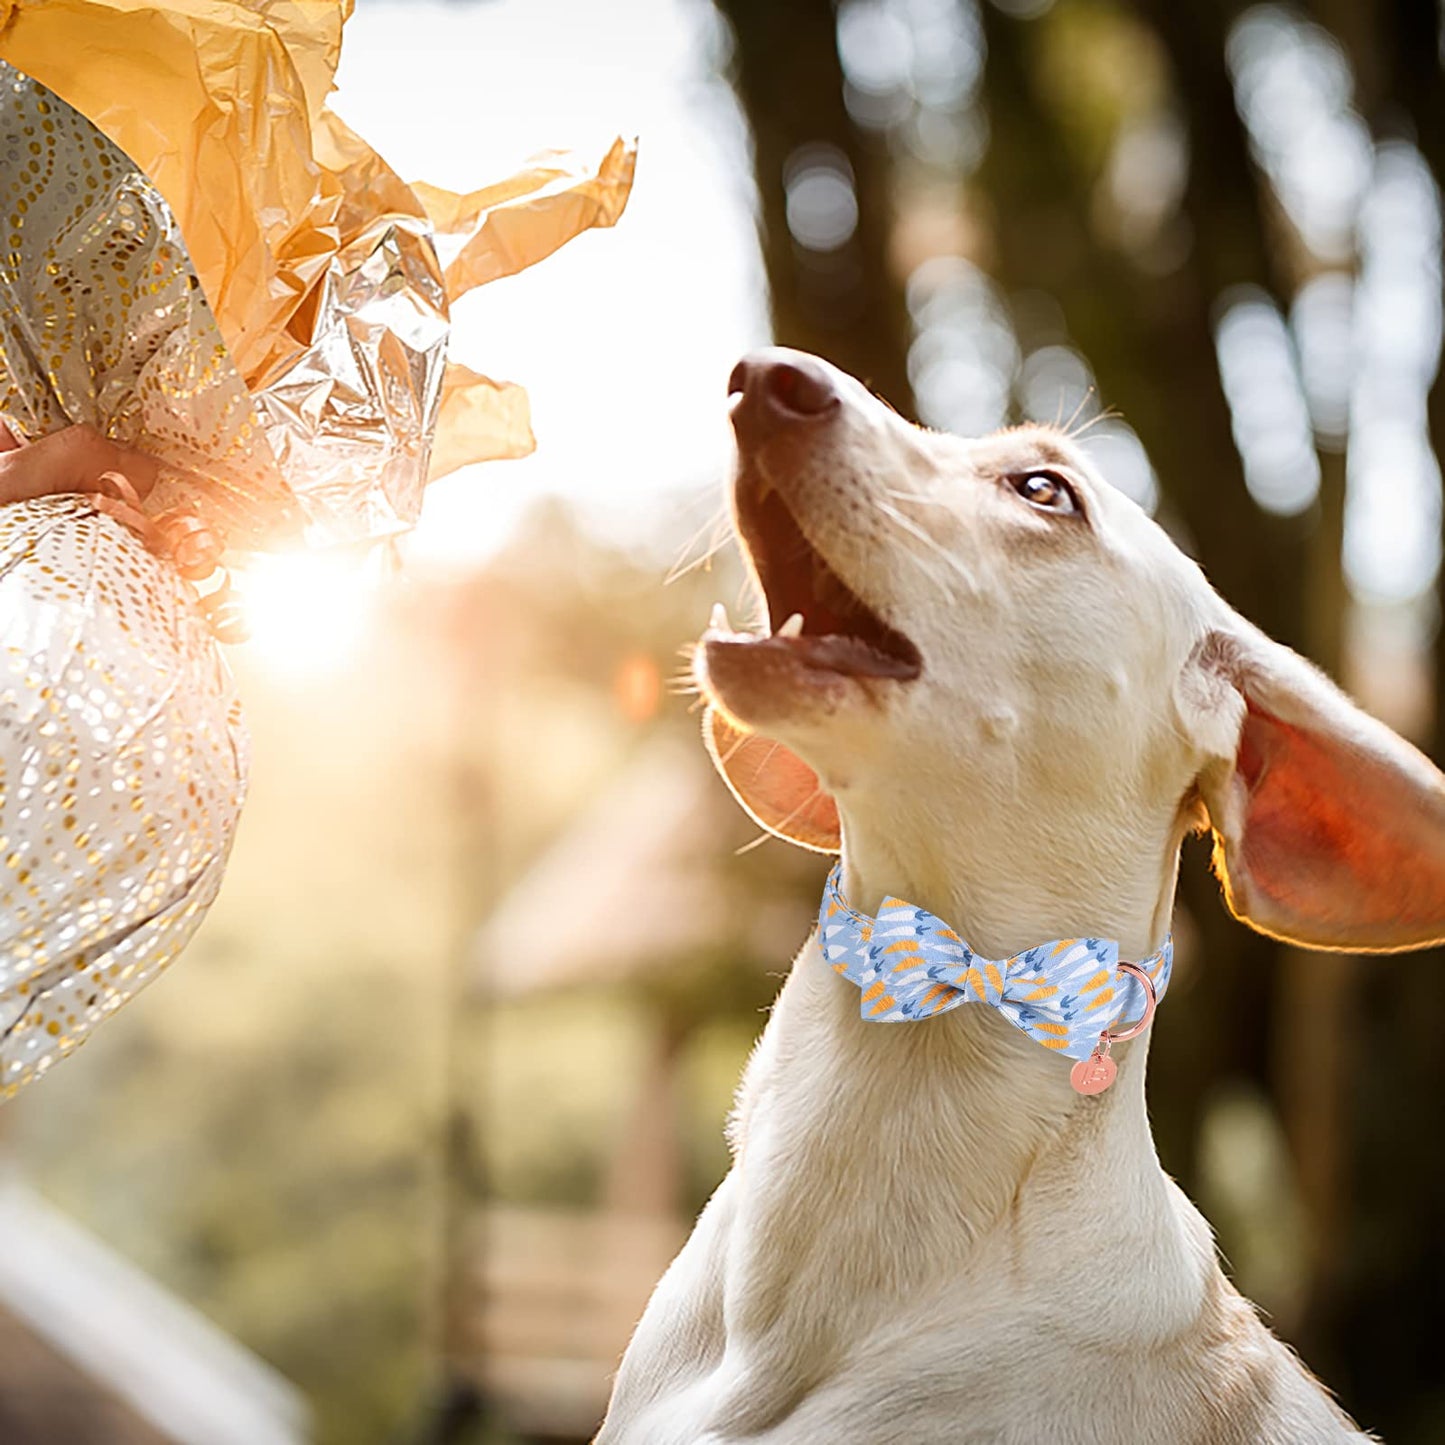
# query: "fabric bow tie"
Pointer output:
{"type": "Point", "coordinates": [911, 965]}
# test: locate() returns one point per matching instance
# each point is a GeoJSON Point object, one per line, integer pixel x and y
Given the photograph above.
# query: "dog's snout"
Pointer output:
{"type": "Point", "coordinates": [776, 388]}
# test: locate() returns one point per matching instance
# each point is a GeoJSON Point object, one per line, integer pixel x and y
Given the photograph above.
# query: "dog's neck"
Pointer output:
{"type": "Point", "coordinates": [1007, 882]}
{"type": "Point", "coordinates": [882, 1162]}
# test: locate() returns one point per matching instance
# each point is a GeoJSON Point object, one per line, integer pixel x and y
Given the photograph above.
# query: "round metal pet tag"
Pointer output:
{"type": "Point", "coordinates": [1094, 1074]}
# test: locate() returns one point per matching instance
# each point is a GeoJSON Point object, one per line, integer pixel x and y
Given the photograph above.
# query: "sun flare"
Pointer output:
{"type": "Point", "coordinates": [309, 613]}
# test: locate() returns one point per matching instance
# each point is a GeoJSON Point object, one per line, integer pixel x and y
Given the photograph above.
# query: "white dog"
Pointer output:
{"type": "Point", "coordinates": [1004, 695]}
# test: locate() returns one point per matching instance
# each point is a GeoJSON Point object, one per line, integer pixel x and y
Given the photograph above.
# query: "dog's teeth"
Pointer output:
{"type": "Point", "coordinates": [718, 622]}
{"type": "Point", "coordinates": [793, 627]}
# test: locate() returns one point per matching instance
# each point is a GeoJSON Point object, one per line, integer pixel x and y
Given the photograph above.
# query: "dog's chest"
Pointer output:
{"type": "Point", "coordinates": [987, 1377]}
{"type": "Point", "coordinates": [910, 1250]}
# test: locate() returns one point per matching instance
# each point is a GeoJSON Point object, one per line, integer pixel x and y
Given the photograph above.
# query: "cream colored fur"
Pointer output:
{"type": "Point", "coordinates": [927, 1236]}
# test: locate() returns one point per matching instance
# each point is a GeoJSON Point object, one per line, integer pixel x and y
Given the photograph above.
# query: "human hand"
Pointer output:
{"type": "Point", "coordinates": [73, 460]}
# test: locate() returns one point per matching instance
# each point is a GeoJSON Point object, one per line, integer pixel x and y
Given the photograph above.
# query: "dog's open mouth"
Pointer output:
{"type": "Point", "coordinates": [812, 612]}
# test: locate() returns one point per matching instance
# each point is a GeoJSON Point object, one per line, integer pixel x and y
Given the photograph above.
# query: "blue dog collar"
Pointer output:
{"type": "Point", "coordinates": [910, 965]}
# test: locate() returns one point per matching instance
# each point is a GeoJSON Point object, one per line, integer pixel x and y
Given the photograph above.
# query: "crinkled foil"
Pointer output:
{"type": "Point", "coordinates": [351, 417]}
{"type": "Point", "coordinates": [317, 259]}
{"type": "Point", "coordinates": [102, 321]}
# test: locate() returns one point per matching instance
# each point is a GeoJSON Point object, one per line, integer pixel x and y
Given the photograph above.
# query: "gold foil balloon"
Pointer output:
{"type": "Point", "coordinates": [122, 751]}
{"type": "Point", "coordinates": [122, 770]}
{"type": "Point", "coordinates": [122, 748]}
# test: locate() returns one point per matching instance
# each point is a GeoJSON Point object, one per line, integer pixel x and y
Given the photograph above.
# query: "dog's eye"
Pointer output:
{"type": "Point", "coordinates": [1046, 491]}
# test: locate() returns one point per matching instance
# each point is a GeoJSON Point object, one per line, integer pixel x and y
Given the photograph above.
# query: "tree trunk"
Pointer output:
{"type": "Point", "coordinates": [1150, 341]}
{"type": "Point", "coordinates": [845, 303]}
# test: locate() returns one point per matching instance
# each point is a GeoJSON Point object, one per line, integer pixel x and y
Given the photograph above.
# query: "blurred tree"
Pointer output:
{"type": "Point", "coordinates": [1390, 1275]}
{"type": "Point", "coordinates": [1150, 341]}
{"type": "Point", "coordinates": [824, 188]}
{"type": "Point", "coordinates": [1149, 332]}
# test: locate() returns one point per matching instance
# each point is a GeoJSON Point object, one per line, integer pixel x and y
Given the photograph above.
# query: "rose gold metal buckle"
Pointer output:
{"type": "Point", "coordinates": [1094, 1074]}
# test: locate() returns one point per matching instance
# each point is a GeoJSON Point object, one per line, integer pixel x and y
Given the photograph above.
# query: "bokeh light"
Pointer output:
{"type": "Point", "coordinates": [1270, 419]}
{"type": "Point", "coordinates": [822, 208]}
{"type": "Point", "coordinates": [1293, 88]}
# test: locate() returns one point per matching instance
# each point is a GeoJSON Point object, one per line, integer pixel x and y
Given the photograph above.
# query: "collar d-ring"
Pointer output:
{"type": "Point", "coordinates": [1151, 1000]}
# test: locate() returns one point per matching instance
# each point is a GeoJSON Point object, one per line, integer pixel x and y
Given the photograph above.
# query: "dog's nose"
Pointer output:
{"type": "Point", "coordinates": [776, 388]}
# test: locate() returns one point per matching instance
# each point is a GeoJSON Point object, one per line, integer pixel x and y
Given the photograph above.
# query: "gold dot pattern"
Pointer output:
{"type": "Point", "coordinates": [103, 321]}
{"type": "Point", "coordinates": [122, 771]}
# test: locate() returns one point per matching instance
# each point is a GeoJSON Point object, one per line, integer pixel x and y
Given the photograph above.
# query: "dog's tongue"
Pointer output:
{"type": "Point", "coordinates": [849, 655]}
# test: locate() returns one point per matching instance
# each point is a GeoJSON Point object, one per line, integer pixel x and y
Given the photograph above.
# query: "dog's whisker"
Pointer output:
{"type": "Point", "coordinates": [703, 561]}
{"type": "Point", "coordinates": [916, 497]}
{"type": "Point", "coordinates": [721, 534]}
{"type": "Point", "coordinates": [1109, 413]}
{"type": "Point", "coordinates": [782, 822]}
{"type": "Point", "coordinates": [751, 606]}
{"type": "Point", "coordinates": [709, 523]}
{"type": "Point", "coordinates": [1083, 402]}
{"type": "Point", "coordinates": [733, 751]}
{"type": "Point", "coordinates": [908, 525]}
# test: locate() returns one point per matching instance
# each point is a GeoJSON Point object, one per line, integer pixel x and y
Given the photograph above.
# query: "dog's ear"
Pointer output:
{"type": "Point", "coordinates": [775, 786]}
{"type": "Point", "coordinates": [1329, 829]}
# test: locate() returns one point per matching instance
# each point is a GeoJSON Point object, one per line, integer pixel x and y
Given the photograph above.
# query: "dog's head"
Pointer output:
{"type": "Point", "coordinates": [985, 630]}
